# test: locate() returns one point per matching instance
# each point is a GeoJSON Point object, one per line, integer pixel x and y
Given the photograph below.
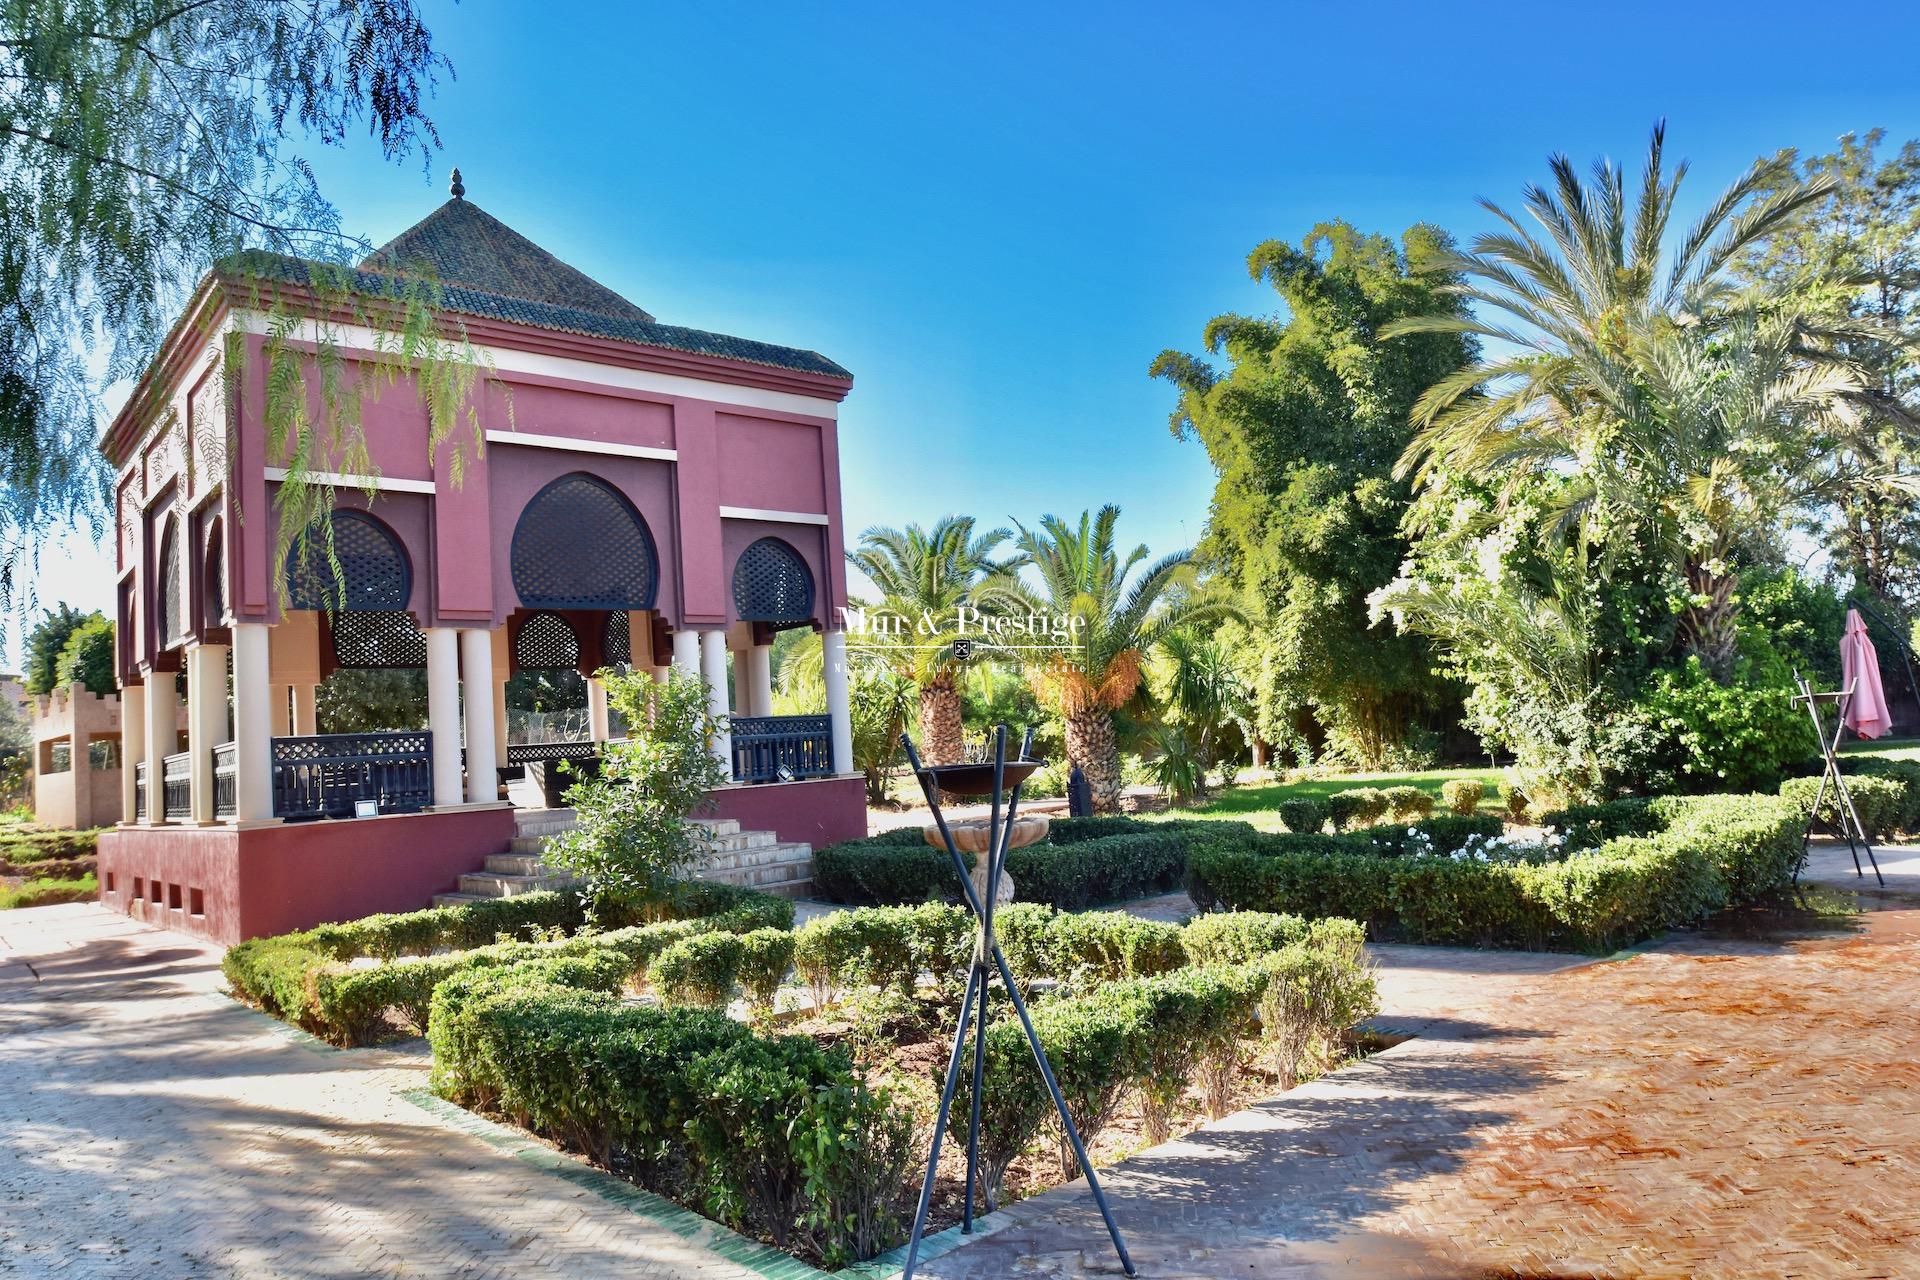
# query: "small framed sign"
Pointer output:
{"type": "Point", "coordinates": [366, 808]}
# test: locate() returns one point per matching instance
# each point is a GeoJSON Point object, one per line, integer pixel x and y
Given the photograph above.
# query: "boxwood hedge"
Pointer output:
{"type": "Point", "coordinates": [1698, 854]}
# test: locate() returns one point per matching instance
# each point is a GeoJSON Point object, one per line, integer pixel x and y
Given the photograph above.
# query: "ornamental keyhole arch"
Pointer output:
{"type": "Point", "coordinates": [580, 544]}
{"type": "Point", "coordinates": [362, 584]}
{"type": "Point", "coordinates": [772, 585]}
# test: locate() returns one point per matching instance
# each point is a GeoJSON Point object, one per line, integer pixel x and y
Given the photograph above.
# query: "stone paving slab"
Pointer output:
{"type": "Point", "coordinates": [153, 1128]}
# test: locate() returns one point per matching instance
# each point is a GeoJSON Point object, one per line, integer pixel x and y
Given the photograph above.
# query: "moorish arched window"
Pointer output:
{"type": "Point", "coordinates": [169, 614]}
{"type": "Point", "coordinates": [581, 545]}
{"type": "Point", "coordinates": [546, 643]}
{"type": "Point", "coordinates": [213, 576]}
{"type": "Point", "coordinates": [373, 572]}
{"type": "Point", "coordinates": [366, 599]}
{"type": "Point", "coordinates": [616, 641]}
{"type": "Point", "coordinates": [771, 583]}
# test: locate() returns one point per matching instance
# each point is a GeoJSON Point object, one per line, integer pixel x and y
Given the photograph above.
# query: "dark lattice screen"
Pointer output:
{"type": "Point", "coordinates": [377, 639]}
{"type": "Point", "coordinates": [216, 580]}
{"type": "Point", "coordinates": [171, 616]}
{"type": "Point", "coordinates": [374, 575]}
{"type": "Point", "coordinates": [546, 643]}
{"type": "Point", "coordinates": [581, 545]}
{"type": "Point", "coordinates": [771, 583]}
{"type": "Point", "coordinates": [616, 642]}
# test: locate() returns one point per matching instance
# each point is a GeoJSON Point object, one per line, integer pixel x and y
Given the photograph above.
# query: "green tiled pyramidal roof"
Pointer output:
{"type": "Point", "coordinates": [485, 268]}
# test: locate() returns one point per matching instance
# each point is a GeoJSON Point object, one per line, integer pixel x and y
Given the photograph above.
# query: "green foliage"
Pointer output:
{"type": "Point", "coordinates": [143, 142]}
{"type": "Point", "coordinates": [1111, 869]}
{"type": "Point", "coordinates": [86, 658]}
{"type": "Point", "coordinates": [883, 946]}
{"type": "Point", "coordinates": [1905, 771]}
{"type": "Point", "coordinates": [631, 829]}
{"type": "Point", "coordinates": [703, 970]}
{"type": "Point", "coordinates": [45, 891]}
{"type": "Point", "coordinates": [772, 1135]}
{"type": "Point", "coordinates": [1701, 734]}
{"type": "Point", "coordinates": [1303, 428]}
{"type": "Point", "coordinates": [356, 701]}
{"type": "Point", "coordinates": [1587, 826]}
{"type": "Point", "coordinates": [885, 869]}
{"type": "Point", "coordinates": [48, 640]}
{"type": "Point", "coordinates": [1408, 804]}
{"type": "Point", "coordinates": [1880, 802]}
{"type": "Point", "coordinates": [1239, 937]}
{"type": "Point", "coordinates": [880, 702]}
{"type": "Point", "coordinates": [1701, 854]}
{"type": "Point", "coordinates": [1462, 796]}
{"type": "Point", "coordinates": [1305, 816]}
{"type": "Point", "coordinates": [20, 847]}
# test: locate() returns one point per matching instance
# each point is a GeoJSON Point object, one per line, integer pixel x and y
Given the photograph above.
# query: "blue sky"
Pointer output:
{"type": "Point", "coordinates": [997, 215]}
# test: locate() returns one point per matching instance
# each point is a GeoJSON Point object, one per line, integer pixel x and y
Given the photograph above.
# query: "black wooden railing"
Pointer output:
{"type": "Point", "coordinates": [781, 748]}
{"type": "Point", "coordinates": [226, 780]}
{"type": "Point", "coordinates": [140, 791]}
{"type": "Point", "coordinates": [176, 786]}
{"type": "Point", "coordinates": [324, 775]}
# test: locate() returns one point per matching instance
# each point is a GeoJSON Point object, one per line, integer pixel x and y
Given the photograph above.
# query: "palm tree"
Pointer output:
{"type": "Point", "coordinates": [1082, 579]}
{"type": "Point", "coordinates": [923, 577]}
{"type": "Point", "coordinates": [1636, 369]}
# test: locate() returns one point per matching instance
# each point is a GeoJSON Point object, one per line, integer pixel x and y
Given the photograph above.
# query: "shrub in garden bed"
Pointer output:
{"type": "Point", "coordinates": [1462, 796]}
{"type": "Point", "coordinates": [1586, 826]}
{"type": "Point", "coordinates": [1305, 816]}
{"type": "Point", "coordinates": [46, 891]}
{"type": "Point", "coordinates": [775, 1136]}
{"type": "Point", "coordinates": [1700, 854]}
{"type": "Point", "coordinates": [1881, 801]}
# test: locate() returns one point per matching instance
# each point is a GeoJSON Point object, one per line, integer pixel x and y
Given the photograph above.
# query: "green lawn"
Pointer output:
{"type": "Point", "coordinates": [1891, 748]}
{"type": "Point", "coordinates": [1261, 805]}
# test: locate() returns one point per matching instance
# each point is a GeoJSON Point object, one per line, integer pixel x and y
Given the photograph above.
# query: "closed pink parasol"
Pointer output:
{"type": "Point", "coordinates": [1860, 670]}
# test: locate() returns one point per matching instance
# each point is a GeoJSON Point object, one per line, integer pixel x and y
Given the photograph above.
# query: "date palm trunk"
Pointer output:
{"type": "Point", "coordinates": [1091, 744]}
{"type": "Point", "coordinates": [941, 731]}
{"type": "Point", "coordinates": [1708, 627]}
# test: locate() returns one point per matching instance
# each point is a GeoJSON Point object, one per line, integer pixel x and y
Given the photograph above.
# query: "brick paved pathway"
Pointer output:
{"type": "Point", "coordinates": [151, 1128]}
{"type": "Point", "coordinates": [1718, 1106]}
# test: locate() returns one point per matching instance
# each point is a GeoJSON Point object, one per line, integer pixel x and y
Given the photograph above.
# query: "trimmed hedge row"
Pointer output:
{"type": "Point", "coordinates": [1880, 801]}
{"type": "Point", "coordinates": [1702, 853]}
{"type": "Point", "coordinates": [305, 978]}
{"type": "Point", "coordinates": [1083, 862]}
{"type": "Point", "coordinates": [772, 1135]}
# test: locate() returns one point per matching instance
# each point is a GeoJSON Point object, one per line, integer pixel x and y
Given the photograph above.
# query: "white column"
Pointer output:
{"type": "Point", "coordinates": [206, 721]}
{"type": "Point", "coordinates": [252, 723]}
{"type": "Point", "coordinates": [713, 660]}
{"type": "Point", "coordinates": [133, 742]}
{"type": "Point", "coordinates": [443, 712]}
{"type": "Point", "coordinates": [476, 669]}
{"type": "Point", "coordinates": [760, 680]}
{"type": "Point", "coordinates": [282, 710]}
{"type": "Point", "coordinates": [599, 723]}
{"type": "Point", "coordinates": [163, 738]}
{"type": "Point", "coordinates": [839, 701]}
{"type": "Point", "coordinates": [686, 651]}
{"type": "Point", "coordinates": [306, 719]}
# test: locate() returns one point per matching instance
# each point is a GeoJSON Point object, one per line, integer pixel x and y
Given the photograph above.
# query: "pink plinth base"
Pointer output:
{"type": "Point", "coordinates": [226, 884]}
{"type": "Point", "coordinates": [819, 811]}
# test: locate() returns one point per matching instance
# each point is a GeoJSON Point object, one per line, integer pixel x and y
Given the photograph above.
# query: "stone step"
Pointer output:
{"type": "Point", "coordinates": [770, 854]}
{"type": "Point", "coordinates": [542, 822]}
{"type": "Point", "coordinates": [517, 863]}
{"type": "Point", "coordinates": [738, 840]}
{"type": "Point", "coordinates": [459, 899]}
{"type": "Point", "coordinates": [716, 826]}
{"type": "Point", "coordinates": [492, 885]}
{"type": "Point", "coordinates": [528, 845]}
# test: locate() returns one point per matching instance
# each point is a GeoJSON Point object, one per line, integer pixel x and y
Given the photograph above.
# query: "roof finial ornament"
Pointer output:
{"type": "Point", "coordinates": [458, 188]}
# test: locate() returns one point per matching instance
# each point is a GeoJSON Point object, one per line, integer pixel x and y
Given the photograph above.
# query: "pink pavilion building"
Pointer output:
{"type": "Point", "coordinates": [647, 494]}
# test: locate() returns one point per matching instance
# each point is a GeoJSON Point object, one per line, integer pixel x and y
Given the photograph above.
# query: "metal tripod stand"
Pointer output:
{"type": "Point", "coordinates": [989, 778]}
{"type": "Point", "coordinates": [1848, 818]}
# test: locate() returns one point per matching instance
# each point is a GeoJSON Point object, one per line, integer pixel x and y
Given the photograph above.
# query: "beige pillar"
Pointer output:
{"type": "Point", "coordinates": [206, 721]}
{"type": "Point", "coordinates": [133, 743]}
{"type": "Point", "coordinates": [443, 712]}
{"type": "Point", "coordinates": [502, 665]}
{"type": "Point", "coordinates": [760, 680]}
{"type": "Point", "coordinates": [839, 700]}
{"type": "Point", "coordinates": [282, 695]}
{"type": "Point", "coordinates": [713, 662]}
{"type": "Point", "coordinates": [252, 723]}
{"type": "Point", "coordinates": [599, 722]}
{"type": "Point", "coordinates": [476, 671]}
{"type": "Point", "coordinates": [163, 738]}
{"type": "Point", "coordinates": [306, 720]}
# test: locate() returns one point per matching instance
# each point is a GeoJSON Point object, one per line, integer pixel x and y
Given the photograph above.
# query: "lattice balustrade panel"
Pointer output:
{"type": "Point", "coordinates": [373, 576]}
{"type": "Point", "coordinates": [771, 583]}
{"type": "Point", "coordinates": [378, 640]}
{"type": "Point", "coordinates": [616, 642]}
{"type": "Point", "coordinates": [581, 545]}
{"type": "Point", "coordinates": [546, 642]}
